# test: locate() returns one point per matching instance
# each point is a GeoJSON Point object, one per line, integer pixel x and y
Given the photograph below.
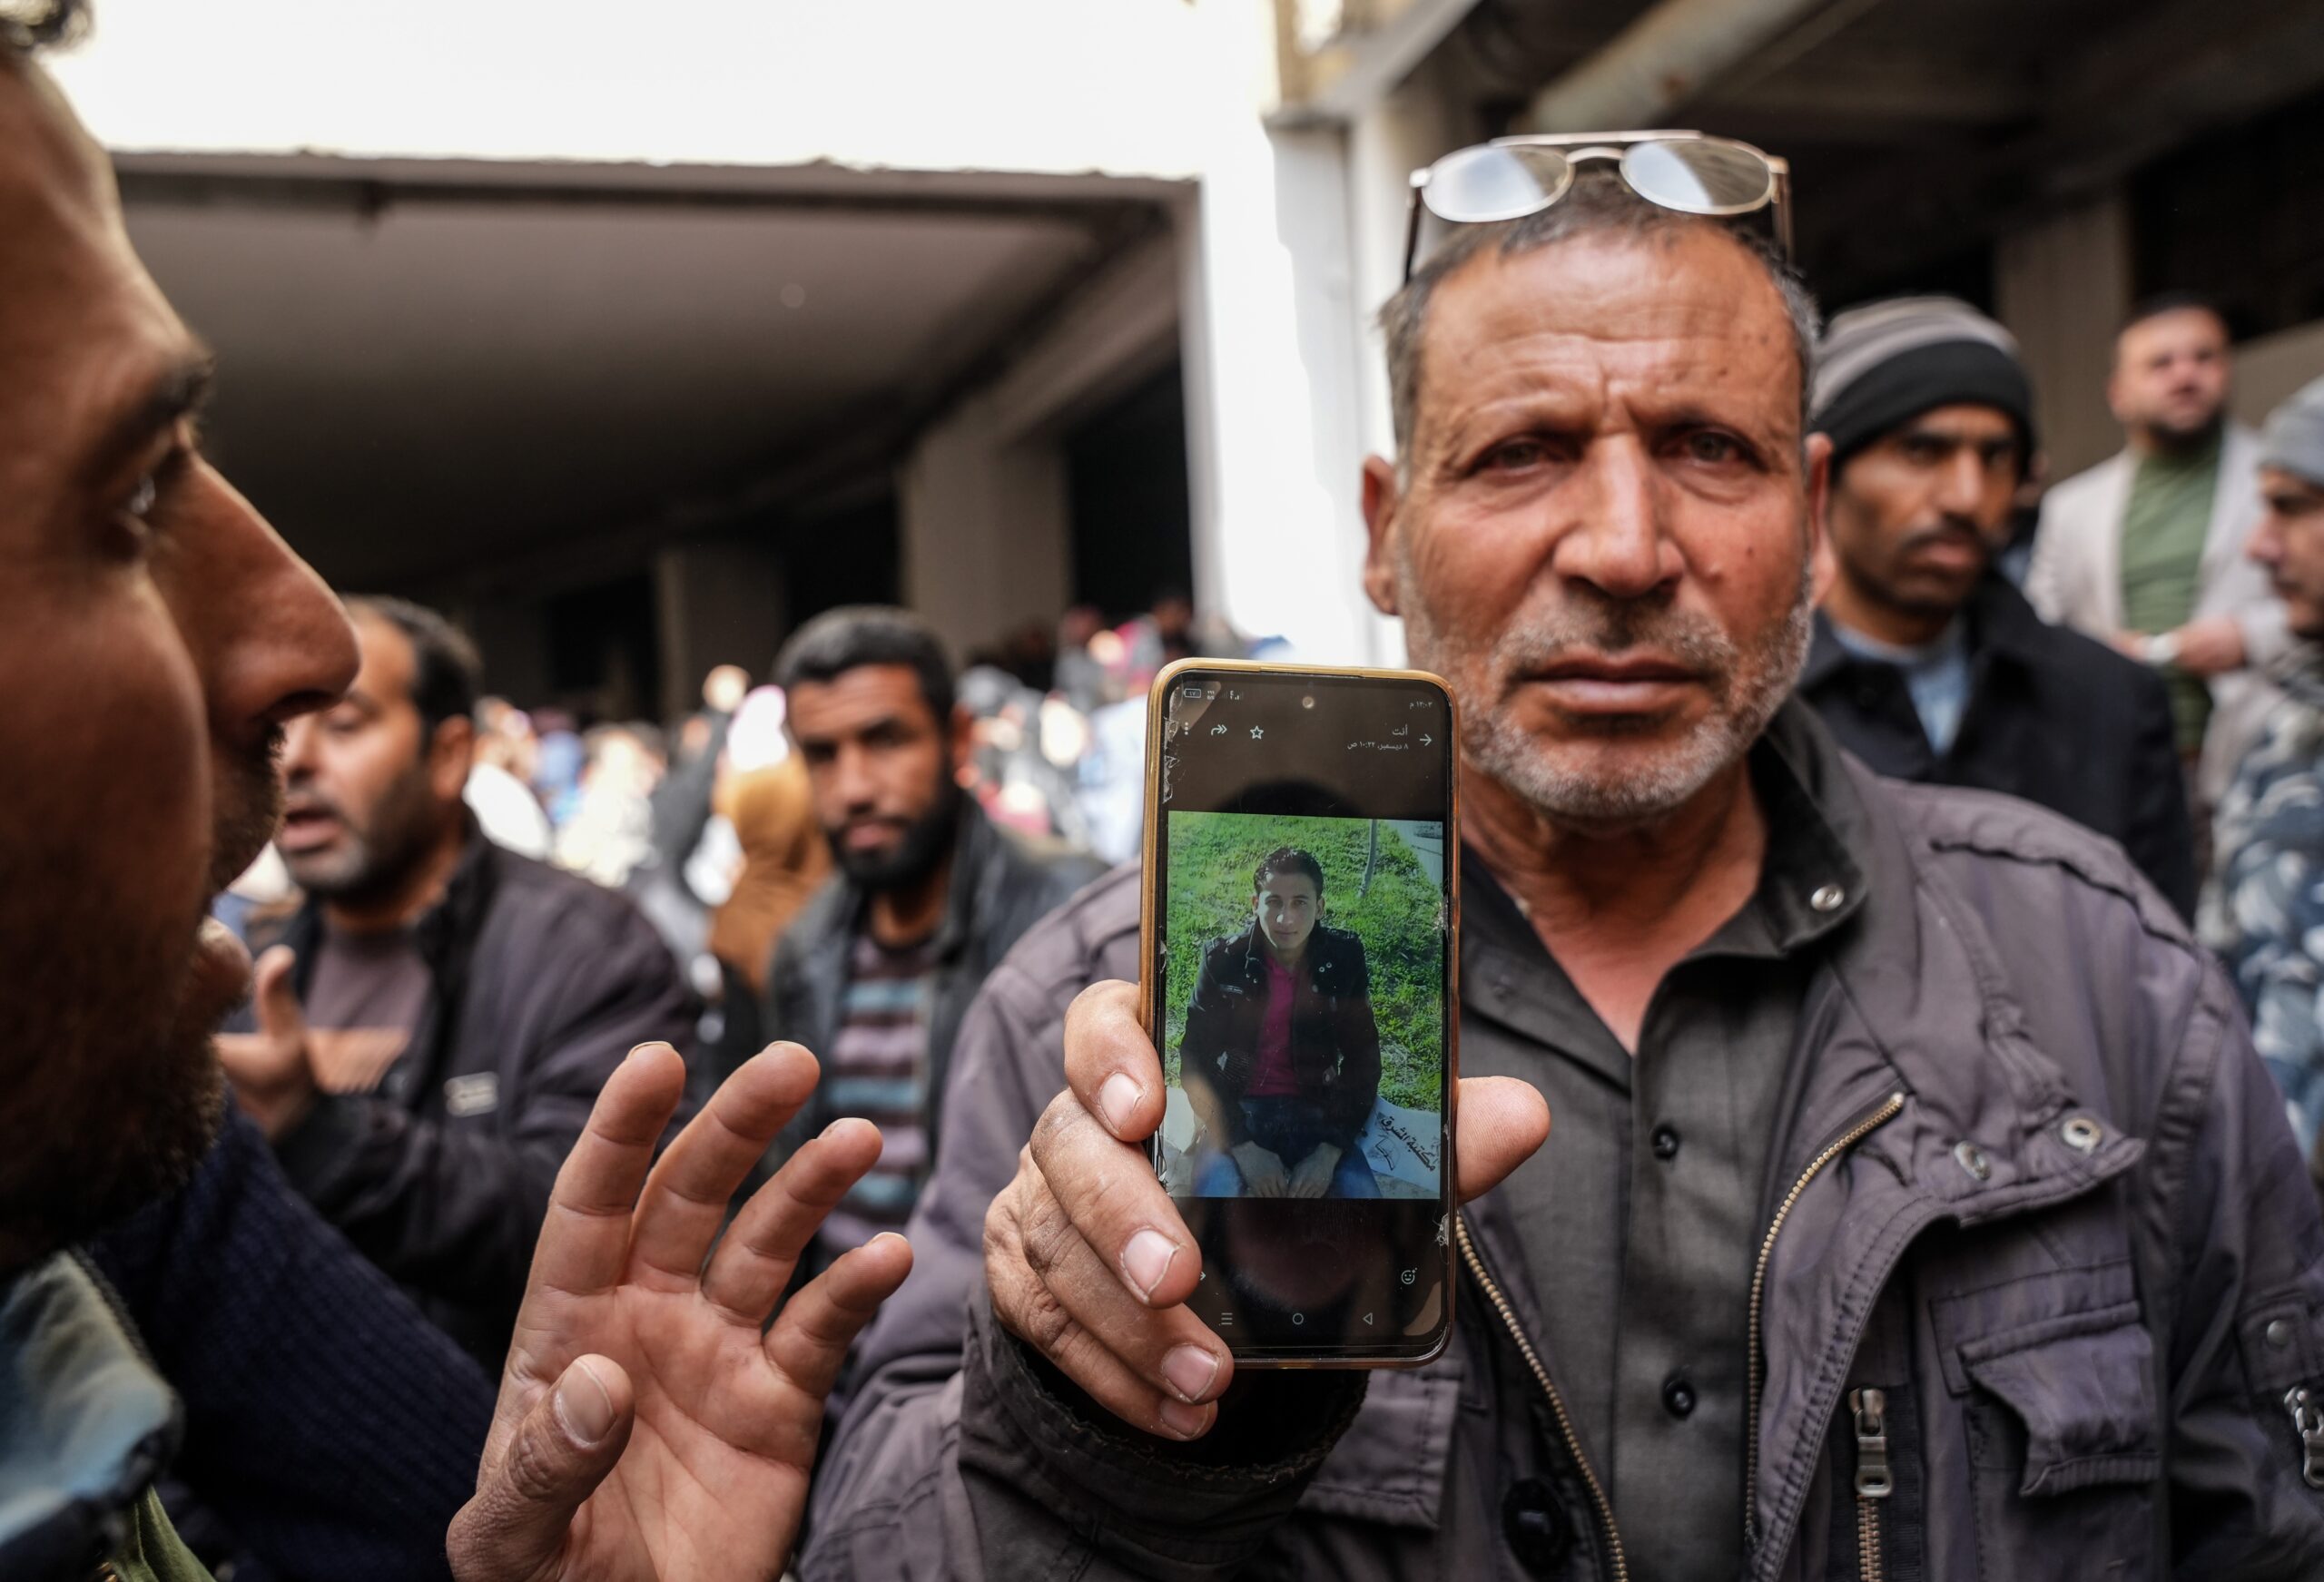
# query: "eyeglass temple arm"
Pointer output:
{"type": "Point", "coordinates": [1418, 179]}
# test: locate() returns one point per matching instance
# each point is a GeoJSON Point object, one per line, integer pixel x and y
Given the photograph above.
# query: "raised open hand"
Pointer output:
{"type": "Point", "coordinates": [645, 1427]}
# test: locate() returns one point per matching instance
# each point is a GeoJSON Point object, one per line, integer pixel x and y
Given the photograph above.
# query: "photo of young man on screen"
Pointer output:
{"type": "Point", "coordinates": [1281, 1056]}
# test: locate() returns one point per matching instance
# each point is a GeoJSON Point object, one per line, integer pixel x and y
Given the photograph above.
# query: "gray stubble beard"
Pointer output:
{"type": "Point", "coordinates": [1751, 687]}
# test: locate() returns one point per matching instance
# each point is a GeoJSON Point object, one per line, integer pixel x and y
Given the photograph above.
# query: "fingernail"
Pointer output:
{"type": "Point", "coordinates": [582, 1406]}
{"type": "Point", "coordinates": [1186, 1421]}
{"type": "Point", "coordinates": [1191, 1370]}
{"type": "Point", "coordinates": [1146, 1260]}
{"type": "Point", "coordinates": [1118, 1097]}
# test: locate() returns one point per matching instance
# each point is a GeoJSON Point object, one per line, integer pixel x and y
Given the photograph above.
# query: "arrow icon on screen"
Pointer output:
{"type": "Point", "coordinates": [1426, 740]}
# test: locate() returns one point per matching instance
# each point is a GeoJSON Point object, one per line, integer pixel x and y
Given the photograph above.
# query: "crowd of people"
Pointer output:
{"type": "Point", "coordinates": [1927, 1194]}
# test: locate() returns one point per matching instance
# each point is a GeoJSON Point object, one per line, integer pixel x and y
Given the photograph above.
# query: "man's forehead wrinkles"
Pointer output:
{"type": "Point", "coordinates": [1668, 383]}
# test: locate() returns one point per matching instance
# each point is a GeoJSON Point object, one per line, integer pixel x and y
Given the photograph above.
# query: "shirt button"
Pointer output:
{"type": "Point", "coordinates": [1666, 1141]}
{"type": "Point", "coordinates": [2279, 1334]}
{"type": "Point", "coordinates": [1678, 1396]}
{"type": "Point", "coordinates": [1536, 1529]}
{"type": "Point", "coordinates": [1827, 898]}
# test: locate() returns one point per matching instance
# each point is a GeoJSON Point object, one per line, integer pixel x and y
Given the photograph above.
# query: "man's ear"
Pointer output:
{"type": "Point", "coordinates": [451, 754]}
{"type": "Point", "coordinates": [1382, 499]}
{"type": "Point", "coordinates": [1819, 512]}
{"type": "Point", "coordinates": [963, 744]}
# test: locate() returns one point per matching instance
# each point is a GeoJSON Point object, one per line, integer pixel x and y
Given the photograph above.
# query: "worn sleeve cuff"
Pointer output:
{"type": "Point", "coordinates": [1023, 1419]}
{"type": "Point", "coordinates": [315, 1150]}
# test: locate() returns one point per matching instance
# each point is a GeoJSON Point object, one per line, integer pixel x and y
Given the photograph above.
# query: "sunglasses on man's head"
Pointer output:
{"type": "Point", "coordinates": [1513, 177]}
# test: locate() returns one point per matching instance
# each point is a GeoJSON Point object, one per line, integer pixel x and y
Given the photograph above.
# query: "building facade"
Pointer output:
{"type": "Point", "coordinates": [635, 335]}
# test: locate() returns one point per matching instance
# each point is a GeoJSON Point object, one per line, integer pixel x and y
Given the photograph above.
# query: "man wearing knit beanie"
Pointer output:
{"type": "Point", "coordinates": [1927, 662]}
{"type": "Point", "coordinates": [2269, 902]}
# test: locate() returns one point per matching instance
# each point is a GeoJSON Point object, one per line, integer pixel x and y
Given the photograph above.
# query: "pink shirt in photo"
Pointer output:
{"type": "Point", "coordinates": [1271, 1076]}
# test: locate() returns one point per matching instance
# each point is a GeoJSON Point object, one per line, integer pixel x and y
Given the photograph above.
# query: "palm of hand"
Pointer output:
{"type": "Point", "coordinates": [715, 1475]}
{"type": "Point", "coordinates": [651, 1424]}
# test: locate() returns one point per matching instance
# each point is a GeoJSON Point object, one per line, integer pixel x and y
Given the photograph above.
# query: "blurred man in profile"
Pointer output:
{"type": "Point", "coordinates": [2265, 916]}
{"type": "Point", "coordinates": [435, 1022]}
{"type": "Point", "coordinates": [1927, 664]}
{"type": "Point", "coordinates": [2145, 550]}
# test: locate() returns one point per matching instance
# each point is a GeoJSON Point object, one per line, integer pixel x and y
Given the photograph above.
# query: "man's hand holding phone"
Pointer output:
{"type": "Point", "coordinates": [1087, 1260]}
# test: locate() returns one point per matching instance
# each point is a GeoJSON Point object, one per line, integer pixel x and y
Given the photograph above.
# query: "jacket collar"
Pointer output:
{"type": "Point", "coordinates": [85, 1422]}
{"type": "Point", "coordinates": [2299, 672]}
{"type": "Point", "coordinates": [1915, 998]}
{"type": "Point", "coordinates": [2002, 627]}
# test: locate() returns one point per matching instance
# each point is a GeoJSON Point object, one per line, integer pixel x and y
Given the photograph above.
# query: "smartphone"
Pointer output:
{"type": "Point", "coordinates": [1301, 945]}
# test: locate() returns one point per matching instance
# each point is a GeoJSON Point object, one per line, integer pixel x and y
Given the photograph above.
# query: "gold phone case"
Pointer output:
{"type": "Point", "coordinates": [1148, 927]}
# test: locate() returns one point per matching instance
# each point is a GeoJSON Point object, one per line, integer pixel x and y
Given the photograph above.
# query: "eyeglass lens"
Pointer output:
{"type": "Point", "coordinates": [1480, 185]}
{"type": "Point", "coordinates": [1698, 178]}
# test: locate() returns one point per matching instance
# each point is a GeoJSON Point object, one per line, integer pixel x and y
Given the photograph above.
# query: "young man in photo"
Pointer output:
{"type": "Point", "coordinates": [1281, 1058]}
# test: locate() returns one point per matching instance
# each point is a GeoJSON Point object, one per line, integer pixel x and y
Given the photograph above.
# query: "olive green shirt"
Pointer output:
{"type": "Point", "coordinates": [2164, 524]}
{"type": "Point", "coordinates": [1641, 1223]}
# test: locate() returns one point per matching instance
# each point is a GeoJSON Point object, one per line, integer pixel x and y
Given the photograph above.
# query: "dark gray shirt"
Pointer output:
{"type": "Point", "coordinates": [1643, 1217]}
{"type": "Point", "coordinates": [376, 983]}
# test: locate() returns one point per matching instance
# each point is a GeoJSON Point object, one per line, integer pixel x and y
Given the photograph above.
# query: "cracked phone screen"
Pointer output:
{"type": "Point", "coordinates": [1300, 897]}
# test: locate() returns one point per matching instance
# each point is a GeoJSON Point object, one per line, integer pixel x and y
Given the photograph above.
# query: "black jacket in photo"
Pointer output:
{"type": "Point", "coordinates": [1334, 1039]}
{"type": "Point", "coordinates": [542, 983]}
{"type": "Point", "coordinates": [2053, 716]}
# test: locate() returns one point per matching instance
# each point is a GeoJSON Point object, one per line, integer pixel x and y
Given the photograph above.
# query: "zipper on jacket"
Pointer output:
{"type": "Point", "coordinates": [1557, 1402]}
{"type": "Point", "coordinates": [1874, 1482]}
{"type": "Point", "coordinates": [1890, 1107]}
{"type": "Point", "coordinates": [2307, 1410]}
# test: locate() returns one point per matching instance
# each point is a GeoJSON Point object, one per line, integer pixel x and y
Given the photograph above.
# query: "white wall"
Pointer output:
{"type": "Point", "coordinates": [930, 85]}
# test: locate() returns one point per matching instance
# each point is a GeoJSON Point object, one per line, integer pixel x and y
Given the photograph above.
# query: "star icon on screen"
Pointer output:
{"type": "Point", "coordinates": [1257, 734]}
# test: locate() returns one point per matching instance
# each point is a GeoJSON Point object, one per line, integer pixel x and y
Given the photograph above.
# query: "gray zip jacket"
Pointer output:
{"type": "Point", "coordinates": [2042, 1286]}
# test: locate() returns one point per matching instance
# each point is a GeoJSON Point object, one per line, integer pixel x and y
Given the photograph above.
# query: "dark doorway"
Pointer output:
{"type": "Point", "coordinates": [2234, 216]}
{"type": "Point", "coordinates": [1132, 524]}
{"type": "Point", "coordinates": [605, 660]}
{"type": "Point", "coordinates": [849, 556]}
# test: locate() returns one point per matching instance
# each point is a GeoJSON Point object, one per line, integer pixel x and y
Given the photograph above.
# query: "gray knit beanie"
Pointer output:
{"type": "Point", "coordinates": [2294, 437]}
{"type": "Point", "coordinates": [1882, 365]}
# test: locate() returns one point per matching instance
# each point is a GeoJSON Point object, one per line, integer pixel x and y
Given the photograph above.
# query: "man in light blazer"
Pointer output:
{"type": "Point", "coordinates": [2145, 550]}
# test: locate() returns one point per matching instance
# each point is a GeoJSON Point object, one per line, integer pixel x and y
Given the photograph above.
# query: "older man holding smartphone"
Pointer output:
{"type": "Point", "coordinates": [1917, 1205]}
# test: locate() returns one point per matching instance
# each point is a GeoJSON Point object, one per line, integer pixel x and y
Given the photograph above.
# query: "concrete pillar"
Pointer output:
{"type": "Point", "coordinates": [1275, 439]}
{"type": "Point", "coordinates": [717, 601]}
{"type": "Point", "coordinates": [2062, 286]}
{"type": "Point", "coordinates": [987, 544]}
